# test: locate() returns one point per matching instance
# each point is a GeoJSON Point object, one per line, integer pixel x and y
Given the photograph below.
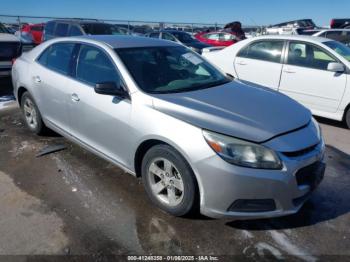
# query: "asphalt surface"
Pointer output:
{"type": "Point", "coordinates": [72, 202]}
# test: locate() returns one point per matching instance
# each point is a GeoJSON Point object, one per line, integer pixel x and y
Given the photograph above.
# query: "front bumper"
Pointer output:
{"type": "Point", "coordinates": [222, 184]}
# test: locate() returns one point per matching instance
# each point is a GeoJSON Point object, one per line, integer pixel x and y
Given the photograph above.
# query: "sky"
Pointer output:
{"type": "Point", "coordinates": [249, 12]}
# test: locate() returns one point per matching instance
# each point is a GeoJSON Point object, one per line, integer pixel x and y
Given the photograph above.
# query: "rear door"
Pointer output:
{"type": "Point", "coordinates": [100, 121]}
{"type": "Point", "coordinates": [49, 76]}
{"type": "Point", "coordinates": [260, 62]}
{"type": "Point", "coordinates": [306, 79]}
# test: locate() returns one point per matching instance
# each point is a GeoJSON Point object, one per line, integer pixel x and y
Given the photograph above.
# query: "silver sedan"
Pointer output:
{"type": "Point", "coordinates": [199, 140]}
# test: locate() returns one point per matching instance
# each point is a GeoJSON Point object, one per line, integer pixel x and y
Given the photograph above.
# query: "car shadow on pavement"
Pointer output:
{"type": "Point", "coordinates": [330, 201]}
{"type": "Point", "coordinates": [330, 122]}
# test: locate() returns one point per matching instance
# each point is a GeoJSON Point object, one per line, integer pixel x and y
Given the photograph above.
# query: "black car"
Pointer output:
{"type": "Point", "coordinates": [76, 27]}
{"type": "Point", "coordinates": [180, 37]}
{"type": "Point", "coordinates": [340, 23]}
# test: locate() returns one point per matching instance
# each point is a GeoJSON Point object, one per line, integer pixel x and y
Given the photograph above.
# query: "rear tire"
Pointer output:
{"type": "Point", "coordinates": [169, 180]}
{"type": "Point", "coordinates": [31, 114]}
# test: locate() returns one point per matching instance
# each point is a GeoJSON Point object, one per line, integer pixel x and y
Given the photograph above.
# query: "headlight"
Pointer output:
{"type": "Point", "coordinates": [242, 153]}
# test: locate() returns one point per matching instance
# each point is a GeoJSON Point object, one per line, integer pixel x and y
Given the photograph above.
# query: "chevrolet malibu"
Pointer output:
{"type": "Point", "coordinates": [199, 140]}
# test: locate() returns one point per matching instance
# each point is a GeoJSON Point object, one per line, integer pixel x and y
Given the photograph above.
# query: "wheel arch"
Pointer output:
{"type": "Point", "coordinates": [21, 90]}
{"type": "Point", "coordinates": [145, 145]}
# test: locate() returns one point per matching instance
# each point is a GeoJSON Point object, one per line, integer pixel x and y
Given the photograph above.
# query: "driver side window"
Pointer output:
{"type": "Point", "coordinates": [94, 66]}
{"type": "Point", "coordinates": [308, 55]}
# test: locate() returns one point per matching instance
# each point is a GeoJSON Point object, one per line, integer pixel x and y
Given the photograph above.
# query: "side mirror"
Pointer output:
{"type": "Point", "coordinates": [336, 67]}
{"type": "Point", "coordinates": [110, 88]}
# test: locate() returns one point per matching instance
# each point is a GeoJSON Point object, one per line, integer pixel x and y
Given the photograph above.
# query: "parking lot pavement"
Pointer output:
{"type": "Point", "coordinates": [95, 208]}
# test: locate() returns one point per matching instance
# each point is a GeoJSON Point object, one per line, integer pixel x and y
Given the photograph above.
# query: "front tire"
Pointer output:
{"type": "Point", "coordinates": [347, 118]}
{"type": "Point", "coordinates": [31, 114]}
{"type": "Point", "coordinates": [169, 180]}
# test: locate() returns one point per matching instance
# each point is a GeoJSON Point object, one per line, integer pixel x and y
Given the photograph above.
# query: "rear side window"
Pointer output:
{"type": "Point", "coordinates": [61, 29]}
{"type": "Point", "coordinates": [154, 35]}
{"type": "Point", "coordinates": [94, 66]}
{"type": "Point", "coordinates": [167, 36]}
{"type": "Point", "coordinates": [58, 57]}
{"type": "Point", "coordinates": [49, 28]}
{"type": "Point", "coordinates": [74, 31]}
{"type": "Point", "coordinates": [269, 51]}
{"type": "Point", "coordinates": [212, 36]}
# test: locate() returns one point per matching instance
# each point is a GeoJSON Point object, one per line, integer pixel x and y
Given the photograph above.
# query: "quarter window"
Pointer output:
{"type": "Point", "coordinates": [269, 51]}
{"type": "Point", "coordinates": [94, 66]}
{"type": "Point", "coordinates": [58, 57]}
{"type": "Point", "coordinates": [307, 55]}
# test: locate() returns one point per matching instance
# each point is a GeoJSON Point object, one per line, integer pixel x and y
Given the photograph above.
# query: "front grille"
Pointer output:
{"type": "Point", "coordinates": [300, 152]}
{"type": "Point", "coordinates": [311, 175]}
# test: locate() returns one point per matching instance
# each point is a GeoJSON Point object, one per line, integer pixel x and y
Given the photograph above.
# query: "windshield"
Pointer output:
{"type": "Point", "coordinates": [339, 48]}
{"type": "Point", "coordinates": [102, 29]}
{"type": "Point", "coordinates": [169, 69]}
{"type": "Point", "coordinates": [184, 37]}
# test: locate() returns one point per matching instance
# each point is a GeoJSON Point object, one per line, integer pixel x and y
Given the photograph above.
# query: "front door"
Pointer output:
{"type": "Point", "coordinates": [306, 79]}
{"type": "Point", "coordinates": [100, 121]}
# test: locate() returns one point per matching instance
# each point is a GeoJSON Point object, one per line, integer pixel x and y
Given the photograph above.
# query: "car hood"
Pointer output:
{"type": "Point", "coordinates": [237, 109]}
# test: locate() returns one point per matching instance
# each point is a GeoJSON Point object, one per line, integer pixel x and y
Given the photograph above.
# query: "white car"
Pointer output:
{"type": "Point", "coordinates": [341, 35]}
{"type": "Point", "coordinates": [312, 70]}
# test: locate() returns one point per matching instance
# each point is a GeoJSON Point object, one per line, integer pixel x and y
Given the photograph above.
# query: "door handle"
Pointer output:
{"type": "Point", "coordinates": [37, 79]}
{"type": "Point", "coordinates": [75, 97]}
{"type": "Point", "coordinates": [241, 63]}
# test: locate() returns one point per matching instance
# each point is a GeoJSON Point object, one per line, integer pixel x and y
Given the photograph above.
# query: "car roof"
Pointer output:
{"type": "Point", "coordinates": [125, 41]}
{"type": "Point", "coordinates": [307, 38]}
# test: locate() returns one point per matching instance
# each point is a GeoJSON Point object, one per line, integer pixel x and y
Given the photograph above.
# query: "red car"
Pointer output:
{"type": "Point", "coordinates": [217, 38]}
{"type": "Point", "coordinates": [35, 30]}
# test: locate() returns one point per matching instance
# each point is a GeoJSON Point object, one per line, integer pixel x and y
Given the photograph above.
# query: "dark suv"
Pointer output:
{"type": "Point", "coordinates": [76, 27]}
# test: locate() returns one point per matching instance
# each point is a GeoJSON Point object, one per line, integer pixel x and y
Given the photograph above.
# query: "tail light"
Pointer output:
{"type": "Point", "coordinates": [332, 23]}
{"type": "Point", "coordinates": [13, 61]}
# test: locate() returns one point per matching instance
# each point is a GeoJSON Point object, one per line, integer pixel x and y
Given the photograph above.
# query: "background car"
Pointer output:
{"type": "Point", "coordinates": [35, 30]}
{"type": "Point", "coordinates": [313, 70]}
{"type": "Point", "coordinates": [76, 27]}
{"type": "Point", "coordinates": [290, 27]}
{"type": "Point", "coordinates": [341, 35]}
{"type": "Point", "coordinates": [10, 49]}
{"type": "Point", "coordinates": [340, 23]}
{"type": "Point", "coordinates": [180, 37]}
{"type": "Point", "coordinates": [216, 38]}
